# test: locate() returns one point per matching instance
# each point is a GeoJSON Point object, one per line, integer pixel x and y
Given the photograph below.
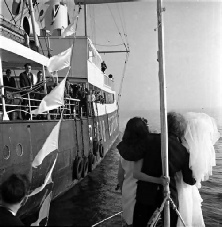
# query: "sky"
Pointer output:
{"type": "Point", "coordinates": [193, 51]}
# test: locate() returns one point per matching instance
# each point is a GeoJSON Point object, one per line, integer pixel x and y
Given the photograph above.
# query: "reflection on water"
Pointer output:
{"type": "Point", "coordinates": [95, 198]}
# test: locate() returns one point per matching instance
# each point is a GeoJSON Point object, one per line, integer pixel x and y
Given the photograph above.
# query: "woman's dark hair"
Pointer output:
{"type": "Point", "coordinates": [136, 129]}
{"type": "Point", "coordinates": [176, 124]}
{"type": "Point", "coordinates": [14, 189]}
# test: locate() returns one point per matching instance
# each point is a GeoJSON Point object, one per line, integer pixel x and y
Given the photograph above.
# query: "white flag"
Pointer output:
{"type": "Point", "coordinates": [60, 61]}
{"type": "Point", "coordinates": [70, 29]}
{"type": "Point", "coordinates": [43, 11]}
{"type": "Point", "coordinates": [49, 146]}
{"type": "Point", "coordinates": [47, 180]}
{"type": "Point", "coordinates": [5, 116]}
{"type": "Point", "coordinates": [44, 211]}
{"type": "Point", "coordinates": [53, 100]}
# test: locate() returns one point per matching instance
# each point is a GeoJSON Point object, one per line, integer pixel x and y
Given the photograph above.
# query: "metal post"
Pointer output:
{"type": "Point", "coordinates": [5, 115]}
{"type": "Point", "coordinates": [85, 19]}
{"type": "Point", "coordinates": [33, 24]}
{"type": "Point", "coordinates": [163, 109]}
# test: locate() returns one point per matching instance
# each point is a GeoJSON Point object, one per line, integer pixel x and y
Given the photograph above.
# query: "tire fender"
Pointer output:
{"type": "Point", "coordinates": [77, 168]}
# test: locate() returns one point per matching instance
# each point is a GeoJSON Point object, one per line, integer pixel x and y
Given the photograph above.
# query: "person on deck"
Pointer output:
{"type": "Point", "coordinates": [26, 81]}
{"type": "Point", "coordinates": [200, 136]}
{"type": "Point", "coordinates": [26, 77]}
{"type": "Point", "coordinates": [103, 67]}
{"type": "Point", "coordinates": [134, 138]}
{"type": "Point", "coordinates": [149, 195]}
{"type": "Point", "coordinates": [13, 194]}
{"type": "Point", "coordinates": [8, 80]}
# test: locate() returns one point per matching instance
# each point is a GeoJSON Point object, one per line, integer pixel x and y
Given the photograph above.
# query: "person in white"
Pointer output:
{"type": "Point", "coordinates": [200, 136]}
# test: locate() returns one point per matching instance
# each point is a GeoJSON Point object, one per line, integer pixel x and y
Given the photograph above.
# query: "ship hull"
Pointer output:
{"type": "Point", "coordinates": [79, 139]}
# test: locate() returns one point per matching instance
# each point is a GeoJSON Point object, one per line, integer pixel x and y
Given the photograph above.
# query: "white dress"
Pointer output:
{"type": "Point", "coordinates": [201, 134]}
{"type": "Point", "coordinates": [128, 191]}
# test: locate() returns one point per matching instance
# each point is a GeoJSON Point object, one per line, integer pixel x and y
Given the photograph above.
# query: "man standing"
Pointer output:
{"type": "Point", "coordinates": [149, 196]}
{"type": "Point", "coordinates": [13, 194]}
{"type": "Point", "coordinates": [26, 81]}
{"type": "Point", "coordinates": [26, 77]}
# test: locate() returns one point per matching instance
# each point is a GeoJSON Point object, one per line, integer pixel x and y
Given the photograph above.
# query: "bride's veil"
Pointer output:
{"type": "Point", "coordinates": [201, 135]}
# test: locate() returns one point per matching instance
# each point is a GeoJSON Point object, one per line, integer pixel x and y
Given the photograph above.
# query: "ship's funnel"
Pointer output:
{"type": "Point", "coordinates": [56, 18]}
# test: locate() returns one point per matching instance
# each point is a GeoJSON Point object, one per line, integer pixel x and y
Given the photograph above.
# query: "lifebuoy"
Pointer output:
{"type": "Point", "coordinates": [77, 168]}
{"type": "Point", "coordinates": [85, 166]}
{"type": "Point", "coordinates": [95, 147]}
{"type": "Point", "coordinates": [101, 150]}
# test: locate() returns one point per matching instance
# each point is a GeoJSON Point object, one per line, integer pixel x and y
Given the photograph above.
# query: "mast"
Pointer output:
{"type": "Point", "coordinates": [33, 24]}
{"type": "Point", "coordinates": [163, 109]}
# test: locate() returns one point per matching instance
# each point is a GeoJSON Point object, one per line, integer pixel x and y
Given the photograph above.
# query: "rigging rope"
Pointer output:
{"type": "Point", "coordinates": [9, 11]}
{"type": "Point", "coordinates": [117, 27]}
{"type": "Point", "coordinates": [122, 79]}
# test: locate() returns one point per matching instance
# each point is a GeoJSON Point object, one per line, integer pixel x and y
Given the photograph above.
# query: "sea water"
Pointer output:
{"type": "Point", "coordinates": [95, 198]}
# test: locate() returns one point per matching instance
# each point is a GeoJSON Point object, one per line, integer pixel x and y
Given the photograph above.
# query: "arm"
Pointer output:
{"type": "Point", "coordinates": [120, 175]}
{"type": "Point", "coordinates": [137, 174]}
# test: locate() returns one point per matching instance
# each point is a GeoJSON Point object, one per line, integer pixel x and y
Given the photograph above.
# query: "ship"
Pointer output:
{"type": "Point", "coordinates": [87, 127]}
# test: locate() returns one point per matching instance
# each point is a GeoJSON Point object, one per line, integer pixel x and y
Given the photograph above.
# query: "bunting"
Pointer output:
{"type": "Point", "coordinates": [44, 210]}
{"type": "Point", "coordinates": [47, 180]}
{"type": "Point", "coordinates": [53, 100]}
{"type": "Point", "coordinates": [43, 11]}
{"type": "Point", "coordinates": [70, 30]}
{"type": "Point", "coordinates": [49, 146]}
{"type": "Point", "coordinates": [60, 61]}
{"type": "Point", "coordinates": [16, 7]}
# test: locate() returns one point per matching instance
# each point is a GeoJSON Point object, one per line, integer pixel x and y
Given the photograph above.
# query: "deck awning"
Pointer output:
{"type": "Point", "coordinates": [14, 55]}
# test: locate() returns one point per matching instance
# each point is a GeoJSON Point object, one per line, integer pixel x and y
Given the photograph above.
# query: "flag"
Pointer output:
{"type": "Point", "coordinates": [44, 210]}
{"type": "Point", "coordinates": [70, 29]}
{"type": "Point", "coordinates": [60, 61]}
{"type": "Point", "coordinates": [16, 7]}
{"type": "Point", "coordinates": [53, 100]}
{"type": "Point", "coordinates": [47, 180]}
{"type": "Point", "coordinates": [43, 11]}
{"type": "Point", "coordinates": [49, 146]}
{"type": "Point", "coordinates": [5, 116]}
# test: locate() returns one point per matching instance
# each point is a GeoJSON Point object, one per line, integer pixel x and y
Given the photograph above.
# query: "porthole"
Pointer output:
{"type": "Point", "coordinates": [19, 149]}
{"type": "Point", "coordinates": [6, 152]}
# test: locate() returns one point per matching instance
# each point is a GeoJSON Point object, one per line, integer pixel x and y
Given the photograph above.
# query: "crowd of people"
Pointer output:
{"type": "Point", "coordinates": [191, 157]}
{"type": "Point", "coordinates": [32, 87]}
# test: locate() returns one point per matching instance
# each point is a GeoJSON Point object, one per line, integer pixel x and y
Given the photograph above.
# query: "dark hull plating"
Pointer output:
{"type": "Point", "coordinates": [20, 142]}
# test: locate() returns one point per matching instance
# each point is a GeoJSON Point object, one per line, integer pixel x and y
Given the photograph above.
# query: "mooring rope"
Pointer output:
{"type": "Point", "coordinates": [107, 219]}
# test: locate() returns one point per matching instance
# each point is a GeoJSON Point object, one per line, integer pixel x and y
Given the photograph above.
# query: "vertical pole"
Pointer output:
{"type": "Point", "coordinates": [44, 79]}
{"type": "Point", "coordinates": [5, 115]}
{"type": "Point", "coordinates": [33, 24]}
{"type": "Point", "coordinates": [85, 19]}
{"type": "Point", "coordinates": [163, 109]}
{"type": "Point", "coordinates": [23, 6]}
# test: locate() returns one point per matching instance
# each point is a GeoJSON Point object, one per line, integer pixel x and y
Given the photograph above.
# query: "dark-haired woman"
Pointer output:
{"type": "Point", "coordinates": [134, 142]}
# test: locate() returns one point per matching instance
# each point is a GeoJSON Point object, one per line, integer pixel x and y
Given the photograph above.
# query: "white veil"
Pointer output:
{"type": "Point", "coordinates": [201, 134]}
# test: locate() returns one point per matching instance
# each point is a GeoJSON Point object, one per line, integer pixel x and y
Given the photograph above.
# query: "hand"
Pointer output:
{"type": "Point", "coordinates": [164, 180]}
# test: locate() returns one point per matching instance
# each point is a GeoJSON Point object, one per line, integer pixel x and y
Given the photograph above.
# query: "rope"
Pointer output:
{"type": "Point", "coordinates": [107, 219]}
{"type": "Point", "coordinates": [9, 11]}
{"type": "Point", "coordinates": [116, 26]}
{"type": "Point", "coordinates": [108, 45]}
{"type": "Point", "coordinates": [123, 75]}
